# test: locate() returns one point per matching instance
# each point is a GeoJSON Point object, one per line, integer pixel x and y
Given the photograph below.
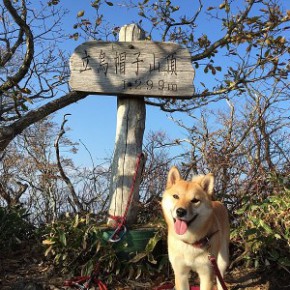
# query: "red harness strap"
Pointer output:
{"type": "Point", "coordinates": [204, 242]}
{"type": "Point", "coordinates": [121, 220]}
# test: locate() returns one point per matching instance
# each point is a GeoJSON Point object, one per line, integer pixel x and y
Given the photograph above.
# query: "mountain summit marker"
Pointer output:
{"type": "Point", "coordinates": [132, 69]}
{"type": "Point", "coordinates": [144, 68]}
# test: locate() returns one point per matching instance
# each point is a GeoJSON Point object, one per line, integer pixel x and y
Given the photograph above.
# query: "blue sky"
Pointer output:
{"type": "Point", "coordinates": [93, 120]}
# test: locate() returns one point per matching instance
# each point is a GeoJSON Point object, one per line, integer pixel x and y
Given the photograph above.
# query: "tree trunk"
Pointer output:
{"type": "Point", "coordinates": [131, 112]}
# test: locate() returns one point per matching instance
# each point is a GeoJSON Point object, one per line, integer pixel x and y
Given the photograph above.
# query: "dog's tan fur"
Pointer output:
{"type": "Point", "coordinates": [203, 218]}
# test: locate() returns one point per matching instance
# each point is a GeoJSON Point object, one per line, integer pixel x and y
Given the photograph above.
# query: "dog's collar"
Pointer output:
{"type": "Point", "coordinates": [204, 242]}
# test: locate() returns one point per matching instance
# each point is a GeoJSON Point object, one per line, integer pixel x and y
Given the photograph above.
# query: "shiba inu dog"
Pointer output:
{"type": "Point", "coordinates": [197, 227]}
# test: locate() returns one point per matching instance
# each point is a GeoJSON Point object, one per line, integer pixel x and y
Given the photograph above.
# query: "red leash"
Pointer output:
{"type": "Point", "coordinates": [86, 282]}
{"type": "Point", "coordinates": [217, 271]}
{"type": "Point", "coordinates": [83, 283]}
{"type": "Point", "coordinates": [170, 286]}
{"type": "Point", "coordinates": [121, 230]}
{"type": "Point", "coordinates": [165, 286]}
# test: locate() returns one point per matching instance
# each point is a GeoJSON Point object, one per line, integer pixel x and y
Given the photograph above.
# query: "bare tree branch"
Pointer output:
{"type": "Point", "coordinates": [18, 76]}
{"type": "Point", "coordinates": [61, 170]}
{"type": "Point", "coordinates": [7, 133]}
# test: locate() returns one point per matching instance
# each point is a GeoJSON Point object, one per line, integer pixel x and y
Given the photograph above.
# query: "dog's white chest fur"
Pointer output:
{"type": "Point", "coordinates": [186, 255]}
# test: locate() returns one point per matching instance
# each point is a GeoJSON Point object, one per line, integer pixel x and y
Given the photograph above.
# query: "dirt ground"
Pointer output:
{"type": "Point", "coordinates": [26, 269]}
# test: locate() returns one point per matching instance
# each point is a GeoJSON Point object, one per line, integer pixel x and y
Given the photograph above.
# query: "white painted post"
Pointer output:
{"type": "Point", "coordinates": [131, 115]}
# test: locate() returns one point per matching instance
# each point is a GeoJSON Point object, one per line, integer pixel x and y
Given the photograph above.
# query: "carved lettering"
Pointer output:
{"type": "Point", "coordinates": [172, 87]}
{"type": "Point", "coordinates": [103, 62]}
{"type": "Point", "coordinates": [120, 63]}
{"type": "Point", "coordinates": [86, 61]}
{"type": "Point", "coordinates": [141, 68]}
{"type": "Point", "coordinates": [137, 61]}
{"type": "Point", "coordinates": [171, 64]}
{"type": "Point", "coordinates": [149, 85]}
{"type": "Point", "coordinates": [155, 66]}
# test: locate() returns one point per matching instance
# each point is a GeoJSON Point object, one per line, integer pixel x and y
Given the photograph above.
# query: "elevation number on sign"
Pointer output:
{"type": "Point", "coordinates": [139, 84]}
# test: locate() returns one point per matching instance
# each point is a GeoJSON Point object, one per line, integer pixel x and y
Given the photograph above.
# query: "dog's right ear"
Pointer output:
{"type": "Point", "coordinates": [173, 177]}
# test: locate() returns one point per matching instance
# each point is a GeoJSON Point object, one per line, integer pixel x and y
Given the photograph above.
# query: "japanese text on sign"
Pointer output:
{"type": "Point", "coordinates": [132, 68]}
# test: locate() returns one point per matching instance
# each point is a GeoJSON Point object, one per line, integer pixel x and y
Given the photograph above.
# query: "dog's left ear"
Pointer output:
{"type": "Point", "coordinates": [173, 176]}
{"type": "Point", "coordinates": [206, 182]}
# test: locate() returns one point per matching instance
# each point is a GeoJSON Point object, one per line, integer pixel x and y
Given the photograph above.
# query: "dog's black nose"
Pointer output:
{"type": "Point", "coordinates": [181, 212]}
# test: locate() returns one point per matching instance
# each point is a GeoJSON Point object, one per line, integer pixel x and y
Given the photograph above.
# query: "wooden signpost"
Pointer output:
{"type": "Point", "coordinates": [131, 69]}
{"type": "Point", "coordinates": [139, 68]}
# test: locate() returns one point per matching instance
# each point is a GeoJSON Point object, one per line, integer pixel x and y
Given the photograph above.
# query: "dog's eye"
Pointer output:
{"type": "Point", "coordinates": [195, 200]}
{"type": "Point", "coordinates": [175, 196]}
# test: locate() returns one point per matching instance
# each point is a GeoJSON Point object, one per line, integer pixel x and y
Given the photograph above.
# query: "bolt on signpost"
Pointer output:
{"type": "Point", "coordinates": [132, 69]}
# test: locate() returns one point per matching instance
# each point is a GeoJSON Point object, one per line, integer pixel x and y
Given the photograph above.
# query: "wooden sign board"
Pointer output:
{"type": "Point", "coordinates": [142, 68]}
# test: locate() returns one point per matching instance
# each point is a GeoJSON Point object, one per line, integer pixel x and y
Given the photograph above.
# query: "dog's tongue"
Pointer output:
{"type": "Point", "coordinates": [180, 227]}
